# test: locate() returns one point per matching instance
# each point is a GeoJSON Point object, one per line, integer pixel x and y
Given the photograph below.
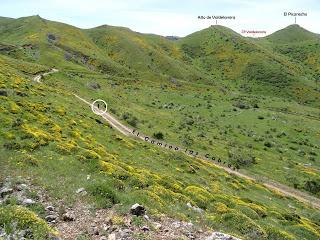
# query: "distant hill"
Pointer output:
{"type": "Point", "coordinates": [299, 45]}
{"type": "Point", "coordinates": [4, 20]}
{"type": "Point", "coordinates": [292, 34]}
{"type": "Point", "coordinates": [113, 50]}
{"type": "Point", "coordinates": [216, 55]}
{"type": "Point", "coordinates": [56, 44]}
{"type": "Point", "coordinates": [246, 62]}
{"type": "Point", "coordinates": [145, 53]}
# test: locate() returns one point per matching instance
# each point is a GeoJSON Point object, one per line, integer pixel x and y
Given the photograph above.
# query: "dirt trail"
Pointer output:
{"type": "Point", "coordinates": [270, 184]}
{"type": "Point", "coordinates": [38, 77]}
{"type": "Point", "coordinates": [111, 120]}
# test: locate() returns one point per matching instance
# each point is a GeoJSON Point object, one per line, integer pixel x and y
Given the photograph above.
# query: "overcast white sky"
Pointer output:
{"type": "Point", "coordinates": [169, 17]}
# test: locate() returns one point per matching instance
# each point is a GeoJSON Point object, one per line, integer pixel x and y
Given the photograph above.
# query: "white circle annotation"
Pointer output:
{"type": "Point", "coordinates": [95, 107]}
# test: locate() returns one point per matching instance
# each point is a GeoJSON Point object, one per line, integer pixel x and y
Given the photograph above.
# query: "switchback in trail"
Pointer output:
{"type": "Point", "coordinates": [38, 77]}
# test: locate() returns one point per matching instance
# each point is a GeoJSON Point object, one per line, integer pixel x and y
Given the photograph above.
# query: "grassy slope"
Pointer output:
{"type": "Point", "coordinates": [218, 51]}
{"type": "Point", "coordinates": [250, 66]}
{"type": "Point", "coordinates": [292, 34]}
{"type": "Point", "coordinates": [193, 102]}
{"type": "Point", "coordinates": [143, 53]}
{"type": "Point", "coordinates": [299, 45]}
{"type": "Point", "coordinates": [4, 20]}
{"type": "Point", "coordinates": [66, 138]}
{"type": "Point", "coordinates": [68, 48]}
{"type": "Point", "coordinates": [281, 135]}
{"type": "Point", "coordinates": [111, 50]}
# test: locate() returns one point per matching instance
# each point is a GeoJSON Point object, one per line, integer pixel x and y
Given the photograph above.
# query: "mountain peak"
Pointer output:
{"type": "Point", "coordinates": [295, 25]}
{"type": "Point", "coordinates": [292, 33]}
{"type": "Point", "coordinates": [214, 31]}
{"type": "Point", "coordinates": [32, 17]}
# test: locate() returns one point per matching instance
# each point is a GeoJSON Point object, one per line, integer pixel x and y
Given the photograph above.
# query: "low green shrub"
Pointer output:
{"type": "Point", "coordinates": [243, 224]}
{"type": "Point", "coordinates": [275, 234]}
{"type": "Point", "coordinates": [104, 195]}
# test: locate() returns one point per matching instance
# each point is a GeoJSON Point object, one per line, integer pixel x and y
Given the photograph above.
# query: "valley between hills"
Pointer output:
{"type": "Point", "coordinates": [251, 103]}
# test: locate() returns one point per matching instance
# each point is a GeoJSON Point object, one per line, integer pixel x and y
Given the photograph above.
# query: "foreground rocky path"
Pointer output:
{"type": "Point", "coordinates": [270, 184]}
{"type": "Point", "coordinates": [83, 221]}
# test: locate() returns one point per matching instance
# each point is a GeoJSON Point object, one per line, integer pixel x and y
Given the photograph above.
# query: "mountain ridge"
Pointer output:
{"type": "Point", "coordinates": [212, 55]}
{"type": "Point", "coordinates": [115, 26]}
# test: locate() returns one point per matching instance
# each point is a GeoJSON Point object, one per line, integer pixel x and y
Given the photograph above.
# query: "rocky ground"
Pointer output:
{"type": "Point", "coordinates": [83, 221]}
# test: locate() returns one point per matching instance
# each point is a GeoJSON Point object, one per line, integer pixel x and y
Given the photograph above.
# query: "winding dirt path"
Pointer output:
{"type": "Point", "coordinates": [270, 184]}
{"type": "Point", "coordinates": [38, 77]}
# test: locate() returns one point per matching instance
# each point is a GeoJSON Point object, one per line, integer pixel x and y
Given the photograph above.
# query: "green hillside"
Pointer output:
{"type": "Point", "coordinates": [292, 34]}
{"type": "Point", "coordinates": [4, 20]}
{"type": "Point", "coordinates": [207, 56]}
{"type": "Point", "coordinates": [300, 46]}
{"type": "Point", "coordinates": [55, 44]}
{"type": "Point", "coordinates": [44, 138]}
{"type": "Point", "coordinates": [111, 50]}
{"type": "Point", "coordinates": [252, 103]}
{"type": "Point", "coordinates": [249, 65]}
{"type": "Point", "coordinates": [221, 51]}
{"type": "Point", "coordinates": [144, 53]}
